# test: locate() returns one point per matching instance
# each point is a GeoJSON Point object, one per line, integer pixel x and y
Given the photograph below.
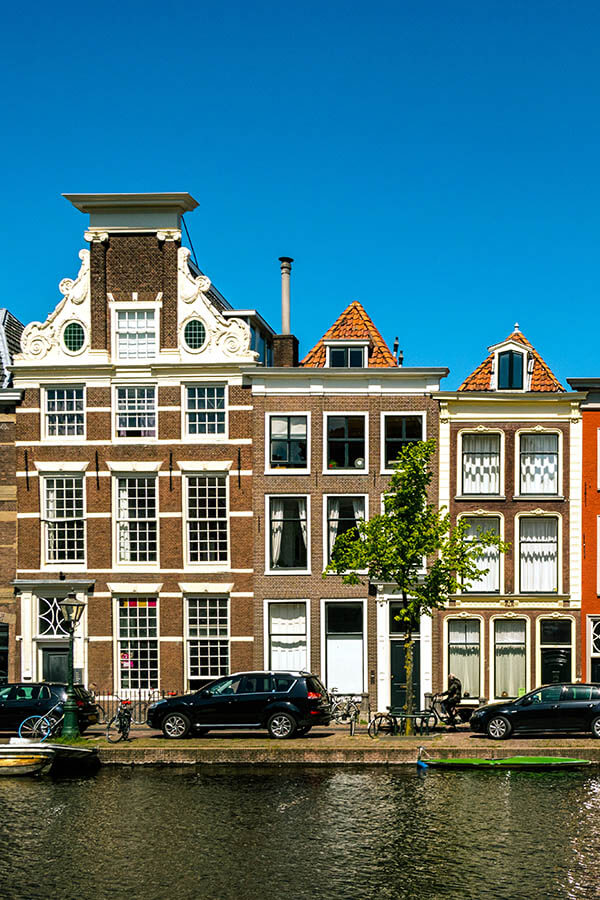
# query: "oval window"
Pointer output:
{"type": "Point", "coordinates": [74, 336]}
{"type": "Point", "coordinates": [194, 334]}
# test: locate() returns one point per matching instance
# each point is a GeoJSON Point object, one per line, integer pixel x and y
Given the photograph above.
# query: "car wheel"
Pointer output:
{"type": "Point", "coordinates": [498, 728]}
{"type": "Point", "coordinates": [281, 725]}
{"type": "Point", "coordinates": [300, 732]}
{"type": "Point", "coordinates": [175, 725]}
{"type": "Point", "coordinates": [596, 727]}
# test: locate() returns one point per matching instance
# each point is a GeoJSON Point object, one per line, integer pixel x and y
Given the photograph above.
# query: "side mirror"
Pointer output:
{"type": "Point", "coordinates": [206, 692]}
{"type": "Point", "coordinates": [527, 701]}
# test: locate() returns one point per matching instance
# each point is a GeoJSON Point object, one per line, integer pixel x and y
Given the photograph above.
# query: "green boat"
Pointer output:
{"type": "Point", "coordinates": [509, 762]}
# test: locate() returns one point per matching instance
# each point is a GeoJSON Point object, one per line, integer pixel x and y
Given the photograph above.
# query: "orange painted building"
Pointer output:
{"type": "Point", "coordinates": [590, 585]}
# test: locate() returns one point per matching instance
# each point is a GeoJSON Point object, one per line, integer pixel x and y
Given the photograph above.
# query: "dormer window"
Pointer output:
{"type": "Point", "coordinates": [347, 356]}
{"type": "Point", "coordinates": [510, 371]}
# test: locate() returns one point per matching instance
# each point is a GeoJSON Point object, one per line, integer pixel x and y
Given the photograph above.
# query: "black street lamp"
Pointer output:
{"type": "Point", "coordinates": [72, 610]}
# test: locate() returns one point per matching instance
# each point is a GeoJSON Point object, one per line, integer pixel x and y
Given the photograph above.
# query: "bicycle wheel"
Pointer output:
{"type": "Point", "coordinates": [35, 728]}
{"type": "Point", "coordinates": [101, 712]}
{"type": "Point", "coordinates": [114, 733]}
{"type": "Point", "coordinates": [381, 724]}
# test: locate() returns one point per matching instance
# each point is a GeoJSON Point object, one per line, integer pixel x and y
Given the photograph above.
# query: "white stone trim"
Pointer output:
{"type": "Point", "coordinates": [205, 587]}
{"type": "Point", "coordinates": [197, 465]}
{"type": "Point", "coordinates": [134, 466]}
{"type": "Point", "coordinates": [134, 587]}
{"type": "Point", "coordinates": [61, 466]}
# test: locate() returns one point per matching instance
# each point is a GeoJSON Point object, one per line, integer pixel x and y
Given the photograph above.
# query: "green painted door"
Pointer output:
{"type": "Point", "coordinates": [398, 693]}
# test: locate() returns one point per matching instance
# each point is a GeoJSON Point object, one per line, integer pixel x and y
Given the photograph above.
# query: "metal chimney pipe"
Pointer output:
{"type": "Point", "coordinates": [286, 268]}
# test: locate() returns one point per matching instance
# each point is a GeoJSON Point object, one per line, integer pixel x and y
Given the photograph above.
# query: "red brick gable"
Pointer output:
{"type": "Point", "coordinates": [542, 378]}
{"type": "Point", "coordinates": [353, 324]}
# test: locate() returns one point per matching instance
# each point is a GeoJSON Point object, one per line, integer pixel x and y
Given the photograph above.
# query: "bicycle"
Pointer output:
{"type": "Point", "coordinates": [344, 710]}
{"type": "Point", "coordinates": [392, 721]}
{"type": "Point", "coordinates": [119, 726]}
{"type": "Point", "coordinates": [39, 728]}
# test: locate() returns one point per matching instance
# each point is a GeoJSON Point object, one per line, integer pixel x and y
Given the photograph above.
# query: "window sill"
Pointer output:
{"type": "Point", "coordinates": [288, 572]}
{"type": "Point", "coordinates": [474, 497]}
{"type": "Point", "coordinates": [284, 471]}
{"type": "Point", "coordinates": [345, 472]}
{"type": "Point", "coordinates": [546, 497]}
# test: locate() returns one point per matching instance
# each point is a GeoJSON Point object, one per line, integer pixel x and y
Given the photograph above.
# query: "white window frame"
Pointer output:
{"type": "Point", "coordinates": [538, 644]}
{"type": "Point", "coordinates": [116, 307]}
{"type": "Point", "coordinates": [138, 591]}
{"type": "Point", "coordinates": [44, 556]}
{"type": "Point", "coordinates": [591, 620]}
{"type": "Point", "coordinates": [446, 659]}
{"type": "Point", "coordinates": [504, 348]}
{"type": "Point", "coordinates": [62, 439]}
{"type": "Point", "coordinates": [559, 479]}
{"type": "Point", "coordinates": [204, 438]}
{"type": "Point", "coordinates": [132, 473]}
{"type": "Point", "coordinates": [129, 385]}
{"type": "Point", "coordinates": [487, 514]}
{"type": "Point", "coordinates": [325, 520]}
{"type": "Point", "coordinates": [217, 638]}
{"type": "Point", "coordinates": [485, 432]}
{"type": "Point", "coordinates": [559, 552]}
{"type": "Point", "coordinates": [267, 627]}
{"type": "Point", "coordinates": [279, 572]}
{"type": "Point", "coordinates": [492, 646]}
{"type": "Point", "coordinates": [285, 470]}
{"type": "Point", "coordinates": [422, 414]}
{"type": "Point", "coordinates": [186, 474]}
{"type": "Point", "coordinates": [330, 413]}
{"type": "Point", "coordinates": [343, 345]}
{"type": "Point", "coordinates": [323, 660]}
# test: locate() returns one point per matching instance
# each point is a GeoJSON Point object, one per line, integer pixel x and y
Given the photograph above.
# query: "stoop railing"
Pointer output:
{"type": "Point", "coordinates": [140, 698]}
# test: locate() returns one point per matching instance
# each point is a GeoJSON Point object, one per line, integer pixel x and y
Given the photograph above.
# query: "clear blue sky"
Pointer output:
{"type": "Point", "coordinates": [437, 161]}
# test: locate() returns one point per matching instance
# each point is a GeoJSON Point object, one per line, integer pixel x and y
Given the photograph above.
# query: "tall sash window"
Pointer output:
{"type": "Point", "coordinates": [481, 463]}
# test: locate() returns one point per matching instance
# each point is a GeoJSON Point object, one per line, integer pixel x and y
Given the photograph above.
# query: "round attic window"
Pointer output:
{"type": "Point", "coordinates": [194, 334]}
{"type": "Point", "coordinates": [74, 337]}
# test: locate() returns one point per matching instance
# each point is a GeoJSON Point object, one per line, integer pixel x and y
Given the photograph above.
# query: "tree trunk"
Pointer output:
{"type": "Point", "coordinates": [408, 668]}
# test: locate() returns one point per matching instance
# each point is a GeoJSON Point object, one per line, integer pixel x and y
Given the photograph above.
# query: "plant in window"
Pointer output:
{"type": "Point", "coordinates": [391, 547]}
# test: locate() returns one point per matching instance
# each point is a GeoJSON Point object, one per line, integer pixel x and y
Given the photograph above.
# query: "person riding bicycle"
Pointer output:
{"type": "Point", "coordinates": [453, 697]}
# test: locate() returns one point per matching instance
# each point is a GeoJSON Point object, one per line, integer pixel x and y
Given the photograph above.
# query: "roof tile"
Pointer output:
{"type": "Point", "coordinates": [353, 324]}
{"type": "Point", "coordinates": [542, 378]}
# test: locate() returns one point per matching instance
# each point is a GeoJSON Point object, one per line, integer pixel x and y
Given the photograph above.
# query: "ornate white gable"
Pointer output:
{"type": "Point", "coordinates": [43, 341]}
{"type": "Point", "coordinates": [227, 340]}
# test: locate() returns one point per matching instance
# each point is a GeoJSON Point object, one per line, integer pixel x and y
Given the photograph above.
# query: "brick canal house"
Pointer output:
{"type": "Point", "coordinates": [134, 461]}
{"type": "Point", "coordinates": [325, 433]}
{"type": "Point", "coordinates": [10, 335]}
{"type": "Point", "coordinates": [510, 461]}
{"type": "Point", "coordinates": [590, 599]}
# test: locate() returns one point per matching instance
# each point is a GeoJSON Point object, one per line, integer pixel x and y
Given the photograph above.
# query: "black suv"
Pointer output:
{"type": "Point", "coordinates": [286, 703]}
{"type": "Point", "coordinates": [41, 698]}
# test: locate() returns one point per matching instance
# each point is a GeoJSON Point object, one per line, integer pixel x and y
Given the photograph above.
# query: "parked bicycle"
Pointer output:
{"type": "Point", "coordinates": [394, 721]}
{"type": "Point", "coordinates": [344, 710]}
{"type": "Point", "coordinates": [119, 726]}
{"type": "Point", "coordinates": [38, 728]}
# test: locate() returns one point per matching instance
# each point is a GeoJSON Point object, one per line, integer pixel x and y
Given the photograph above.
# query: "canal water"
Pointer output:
{"type": "Point", "coordinates": [266, 833]}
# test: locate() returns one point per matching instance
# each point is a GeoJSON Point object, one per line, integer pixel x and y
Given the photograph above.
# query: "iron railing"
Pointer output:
{"type": "Point", "coordinates": [141, 698]}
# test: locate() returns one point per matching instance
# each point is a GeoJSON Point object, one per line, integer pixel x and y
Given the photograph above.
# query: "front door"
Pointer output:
{"type": "Point", "coordinates": [55, 664]}
{"type": "Point", "coordinates": [398, 659]}
{"type": "Point", "coordinates": [344, 647]}
{"type": "Point", "coordinates": [556, 665]}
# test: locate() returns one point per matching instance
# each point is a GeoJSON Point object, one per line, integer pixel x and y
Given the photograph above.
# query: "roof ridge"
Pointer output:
{"type": "Point", "coordinates": [380, 356]}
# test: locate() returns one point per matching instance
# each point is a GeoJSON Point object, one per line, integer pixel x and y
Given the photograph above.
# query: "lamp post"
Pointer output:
{"type": "Point", "coordinates": [72, 610]}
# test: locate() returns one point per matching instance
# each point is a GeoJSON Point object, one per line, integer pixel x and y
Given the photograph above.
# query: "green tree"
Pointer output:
{"type": "Point", "coordinates": [391, 548]}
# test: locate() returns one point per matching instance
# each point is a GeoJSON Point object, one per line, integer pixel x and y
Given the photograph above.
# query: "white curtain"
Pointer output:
{"type": "Point", "coordinates": [491, 557]}
{"type": "Point", "coordinates": [303, 524]}
{"type": "Point", "coordinates": [358, 505]}
{"type": "Point", "coordinates": [463, 654]}
{"type": "Point", "coordinates": [333, 515]}
{"type": "Point", "coordinates": [509, 657]}
{"type": "Point", "coordinates": [276, 528]}
{"type": "Point", "coordinates": [539, 464]}
{"type": "Point", "coordinates": [481, 463]}
{"type": "Point", "coordinates": [288, 635]}
{"type": "Point", "coordinates": [539, 555]}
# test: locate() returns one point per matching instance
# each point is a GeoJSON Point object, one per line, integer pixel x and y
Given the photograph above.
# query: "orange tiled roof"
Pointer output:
{"type": "Point", "coordinates": [542, 378]}
{"type": "Point", "coordinates": [353, 324]}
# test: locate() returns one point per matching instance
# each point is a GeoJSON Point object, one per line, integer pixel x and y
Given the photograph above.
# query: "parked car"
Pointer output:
{"type": "Point", "coordinates": [38, 698]}
{"type": "Point", "coordinates": [285, 703]}
{"type": "Point", "coordinates": [555, 707]}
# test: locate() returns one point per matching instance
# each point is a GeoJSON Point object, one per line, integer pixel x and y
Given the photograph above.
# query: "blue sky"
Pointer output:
{"type": "Point", "coordinates": [437, 161]}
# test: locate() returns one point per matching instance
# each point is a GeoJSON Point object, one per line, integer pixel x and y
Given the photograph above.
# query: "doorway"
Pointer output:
{"type": "Point", "coordinates": [55, 664]}
{"type": "Point", "coordinates": [398, 671]}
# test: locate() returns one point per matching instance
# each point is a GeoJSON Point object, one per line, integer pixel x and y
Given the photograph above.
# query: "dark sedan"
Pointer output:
{"type": "Point", "coordinates": [285, 703]}
{"type": "Point", "coordinates": [30, 698]}
{"type": "Point", "coordinates": [555, 707]}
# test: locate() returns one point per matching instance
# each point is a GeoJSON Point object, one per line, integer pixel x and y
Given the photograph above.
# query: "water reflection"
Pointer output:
{"type": "Point", "coordinates": [260, 833]}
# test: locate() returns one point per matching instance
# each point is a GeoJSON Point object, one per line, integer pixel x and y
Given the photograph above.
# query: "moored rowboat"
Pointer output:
{"type": "Point", "coordinates": [509, 762]}
{"type": "Point", "coordinates": [24, 761]}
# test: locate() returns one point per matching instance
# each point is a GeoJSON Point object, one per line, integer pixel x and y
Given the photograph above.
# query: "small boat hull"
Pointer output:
{"type": "Point", "coordinates": [510, 762]}
{"type": "Point", "coordinates": [24, 762]}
